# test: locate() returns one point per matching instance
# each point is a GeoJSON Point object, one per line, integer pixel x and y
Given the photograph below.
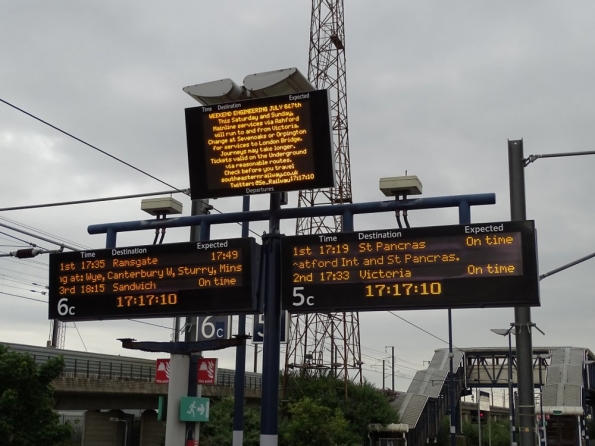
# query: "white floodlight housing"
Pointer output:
{"type": "Point", "coordinates": [278, 82]}
{"type": "Point", "coordinates": [400, 186]}
{"type": "Point", "coordinates": [215, 92]}
{"type": "Point", "coordinates": [161, 206]}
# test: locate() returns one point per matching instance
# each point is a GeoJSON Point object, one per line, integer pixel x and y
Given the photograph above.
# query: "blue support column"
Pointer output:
{"type": "Point", "coordinates": [272, 328]}
{"type": "Point", "coordinates": [271, 259]}
{"type": "Point", "coordinates": [239, 378]}
{"type": "Point", "coordinates": [111, 236]}
{"type": "Point", "coordinates": [464, 218]}
{"type": "Point", "coordinates": [522, 315]}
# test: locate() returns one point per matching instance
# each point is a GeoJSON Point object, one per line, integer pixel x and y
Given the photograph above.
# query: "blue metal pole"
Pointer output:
{"type": "Point", "coordinates": [111, 236]}
{"type": "Point", "coordinates": [303, 212]}
{"type": "Point", "coordinates": [522, 315]}
{"type": "Point", "coordinates": [464, 213]}
{"type": "Point", "coordinates": [464, 218]}
{"type": "Point", "coordinates": [238, 407]}
{"type": "Point", "coordinates": [271, 249]}
{"type": "Point", "coordinates": [510, 392]}
{"type": "Point", "coordinates": [269, 417]}
{"type": "Point", "coordinates": [451, 386]}
{"type": "Point", "coordinates": [347, 221]}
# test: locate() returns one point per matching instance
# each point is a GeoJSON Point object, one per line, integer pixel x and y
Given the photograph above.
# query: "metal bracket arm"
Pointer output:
{"type": "Point", "coordinates": [183, 348]}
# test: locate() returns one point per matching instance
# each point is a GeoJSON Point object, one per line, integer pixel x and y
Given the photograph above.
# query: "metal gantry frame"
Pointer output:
{"type": "Point", "coordinates": [272, 279]}
{"type": "Point", "coordinates": [328, 341]}
{"type": "Point", "coordinates": [522, 315]}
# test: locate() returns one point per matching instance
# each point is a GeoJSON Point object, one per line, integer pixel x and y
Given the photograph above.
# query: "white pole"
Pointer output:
{"type": "Point", "coordinates": [478, 419]}
{"type": "Point", "coordinates": [175, 430]}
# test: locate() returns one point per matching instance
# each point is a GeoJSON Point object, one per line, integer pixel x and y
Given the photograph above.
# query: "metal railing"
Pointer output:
{"type": "Point", "coordinates": [130, 371]}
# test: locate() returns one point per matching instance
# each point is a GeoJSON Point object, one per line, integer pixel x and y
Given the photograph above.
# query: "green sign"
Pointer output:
{"type": "Point", "coordinates": [162, 408]}
{"type": "Point", "coordinates": [194, 409]}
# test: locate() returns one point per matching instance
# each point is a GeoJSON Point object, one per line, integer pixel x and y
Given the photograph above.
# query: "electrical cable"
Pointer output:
{"type": "Point", "coordinates": [21, 281]}
{"type": "Point", "coordinates": [23, 297]}
{"type": "Point", "coordinates": [19, 272]}
{"type": "Point", "coordinates": [43, 266]}
{"type": "Point", "coordinates": [19, 239]}
{"type": "Point", "coordinates": [91, 200]}
{"type": "Point", "coordinates": [419, 328]}
{"type": "Point", "coordinates": [79, 333]}
{"type": "Point", "coordinates": [40, 231]}
{"type": "Point", "coordinates": [183, 191]}
{"type": "Point", "coordinates": [396, 357]}
{"type": "Point", "coordinates": [62, 245]}
{"type": "Point", "coordinates": [90, 145]}
{"type": "Point", "coordinates": [149, 323]}
{"type": "Point", "coordinates": [24, 289]}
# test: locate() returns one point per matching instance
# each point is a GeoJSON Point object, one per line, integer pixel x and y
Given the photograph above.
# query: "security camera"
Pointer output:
{"type": "Point", "coordinates": [400, 186]}
{"type": "Point", "coordinates": [161, 206]}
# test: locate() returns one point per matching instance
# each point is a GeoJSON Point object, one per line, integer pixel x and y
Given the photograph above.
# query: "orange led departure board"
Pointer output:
{"type": "Point", "coordinates": [476, 265]}
{"type": "Point", "coordinates": [206, 277]}
{"type": "Point", "coordinates": [256, 146]}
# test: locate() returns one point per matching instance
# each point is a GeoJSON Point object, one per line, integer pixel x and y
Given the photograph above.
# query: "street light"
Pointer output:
{"type": "Point", "coordinates": [586, 392]}
{"type": "Point", "coordinates": [508, 332]}
{"type": "Point", "coordinates": [392, 364]}
{"type": "Point", "coordinates": [540, 359]}
{"type": "Point", "coordinates": [259, 85]}
{"type": "Point", "coordinates": [271, 83]}
{"type": "Point", "coordinates": [522, 315]}
{"type": "Point", "coordinates": [116, 420]}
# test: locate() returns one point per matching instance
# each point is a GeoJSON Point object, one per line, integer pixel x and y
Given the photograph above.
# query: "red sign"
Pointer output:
{"type": "Point", "coordinates": [162, 371]}
{"type": "Point", "coordinates": [207, 371]}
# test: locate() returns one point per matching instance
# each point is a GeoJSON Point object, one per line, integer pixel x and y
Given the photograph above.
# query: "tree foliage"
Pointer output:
{"type": "Point", "coordinates": [313, 412]}
{"type": "Point", "coordinates": [313, 424]}
{"type": "Point", "coordinates": [27, 400]}
{"type": "Point", "coordinates": [499, 431]}
{"type": "Point", "coordinates": [219, 430]}
{"type": "Point", "coordinates": [363, 405]}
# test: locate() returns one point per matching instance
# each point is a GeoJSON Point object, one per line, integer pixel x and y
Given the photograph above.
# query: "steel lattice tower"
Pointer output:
{"type": "Point", "coordinates": [328, 341]}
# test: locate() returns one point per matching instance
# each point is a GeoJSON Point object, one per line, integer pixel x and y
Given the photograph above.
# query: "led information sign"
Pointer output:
{"type": "Point", "coordinates": [476, 265]}
{"type": "Point", "coordinates": [207, 277]}
{"type": "Point", "coordinates": [272, 144]}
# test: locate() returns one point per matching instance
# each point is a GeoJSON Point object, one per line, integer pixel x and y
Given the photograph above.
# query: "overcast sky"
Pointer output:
{"type": "Point", "coordinates": [435, 89]}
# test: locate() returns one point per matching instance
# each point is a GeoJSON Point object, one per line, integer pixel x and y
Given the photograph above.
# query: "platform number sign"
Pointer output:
{"type": "Point", "coordinates": [213, 327]}
{"type": "Point", "coordinates": [258, 335]}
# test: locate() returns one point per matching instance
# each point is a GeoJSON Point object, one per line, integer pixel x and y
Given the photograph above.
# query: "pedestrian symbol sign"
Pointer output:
{"type": "Point", "coordinates": [194, 409]}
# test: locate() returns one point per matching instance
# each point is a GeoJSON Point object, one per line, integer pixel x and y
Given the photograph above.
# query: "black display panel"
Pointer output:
{"type": "Point", "coordinates": [207, 277]}
{"type": "Point", "coordinates": [463, 266]}
{"type": "Point", "coordinates": [266, 145]}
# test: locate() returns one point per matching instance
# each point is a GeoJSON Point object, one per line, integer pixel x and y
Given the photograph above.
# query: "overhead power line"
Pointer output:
{"type": "Point", "coordinates": [92, 200]}
{"type": "Point", "coordinates": [22, 273]}
{"type": "Point", "coordinates": [39, 237]}
{"type": "Point", "coordinates": [90, 145]}
{"type": "Point", "coordinates": [183, 191]}
{"type": "Point", "coordinates": [41, 231]}
{"type": "Point", "coordinates": [419, 328]}
{"type": "Point", "coordinates": [23, 297]}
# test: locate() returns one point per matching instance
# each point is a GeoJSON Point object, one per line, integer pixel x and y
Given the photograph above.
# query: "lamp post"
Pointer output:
{"type": "Point", "coordinates": [392, 365]}
{"type": "Point", "coordinates": [260, 85]}
{"type": "Point", "coordinates": [117, 420]}
{"type": "Point", "coordinates": [522, 315]}
{"type": "Point", "coordinates": [540, 359]}
{"type": "Point", "coordinates": [508, 332]}
{"type": "Point", "coordinates": [586, 391]}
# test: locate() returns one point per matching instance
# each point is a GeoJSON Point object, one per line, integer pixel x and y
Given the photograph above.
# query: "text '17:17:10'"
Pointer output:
{"type": "Point", "coordinates": [142, 300]}
{"type": "Point", "coordinates": [404, 289]}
